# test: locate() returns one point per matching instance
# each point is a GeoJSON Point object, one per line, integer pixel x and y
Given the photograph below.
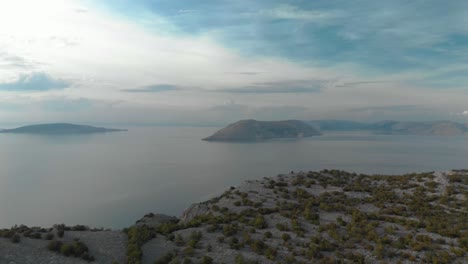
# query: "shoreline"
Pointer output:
{"type": "Point", "coordinates": [269, 219]}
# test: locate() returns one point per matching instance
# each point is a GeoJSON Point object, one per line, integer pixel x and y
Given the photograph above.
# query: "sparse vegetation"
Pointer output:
{"type": "Point", "coordinates": [317, 217]}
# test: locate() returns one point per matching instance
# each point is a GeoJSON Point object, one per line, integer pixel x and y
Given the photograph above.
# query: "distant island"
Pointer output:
{"type": "Point", "coordinates": [391, 127]}
{"type": "Point", "coordinates": [253, 130]}
{"type": "Point", "coordinates": [58, 128]}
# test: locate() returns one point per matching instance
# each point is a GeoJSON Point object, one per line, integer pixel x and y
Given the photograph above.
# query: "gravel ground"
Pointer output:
{"type": "Point", "coordinates": [105, 246]}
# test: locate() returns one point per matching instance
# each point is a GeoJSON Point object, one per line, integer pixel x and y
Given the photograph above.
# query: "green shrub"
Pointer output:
{"type": "Point", "coordinates": [179, 240]}
{"type": "Point", "coordinates": [195, 237]}
{"type": "Point", "coordinates": [206, 260]}
{"type": "Point", "coordinates": [259, 222]}
{"type": "Point", "coordinates": [66, 250]}
{"type": "Point", "coordinates": [285, 237]}
{"type": "Point", "coordinates": [80, 228]}
{"type": "Point", "coordinates": [137, 236]}
{"type": "Point", "coordinates": [188, 251]}
{"type": "Point", "coordinates": [54, 245]}
{"type": "Point", "coordinates": [79, 248]}
{"type": "Point", "coordinates": [166, 258]}
{"type": "Point", "coordinates": [35, 236]}
{"type": "Point", "coordinates": [15, 238]}
{"type": "Point", "coordinates": [240, 259]}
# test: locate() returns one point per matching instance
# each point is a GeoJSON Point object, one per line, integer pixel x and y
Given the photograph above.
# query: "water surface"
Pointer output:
{"type": "Point", "coordinates": [112, 179]}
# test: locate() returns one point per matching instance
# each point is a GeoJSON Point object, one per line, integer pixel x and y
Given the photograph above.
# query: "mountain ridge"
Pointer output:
{"type": "Point", "coordinates": [392, 127]}
{"type": "Point", "coordinates": [253, 130]}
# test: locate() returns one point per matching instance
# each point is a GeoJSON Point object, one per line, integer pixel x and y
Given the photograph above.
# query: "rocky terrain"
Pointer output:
{"type": "Point", "coordinates": [251, 130]}
{"type": "Point", "coordinates": [307, 217]}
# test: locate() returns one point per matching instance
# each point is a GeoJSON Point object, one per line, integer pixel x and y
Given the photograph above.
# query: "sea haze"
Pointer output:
{"type": "Point", "coordinates": [112, 179]}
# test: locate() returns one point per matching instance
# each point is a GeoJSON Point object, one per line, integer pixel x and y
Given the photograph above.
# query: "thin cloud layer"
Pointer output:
{"type": "Point", "coordinates": [156, 88]}
{"type": "Point", "coordinates": [302, 60]}
{"type": "Point", "coordinates": [283, 87]}
{"type": "Point", "coordinates": [34, 82]}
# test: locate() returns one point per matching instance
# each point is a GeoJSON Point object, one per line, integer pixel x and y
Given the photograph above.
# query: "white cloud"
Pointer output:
{"type": "Point", "coordinates": [101, 55]}
{"type": "Point", "coordinates": [104, 54]}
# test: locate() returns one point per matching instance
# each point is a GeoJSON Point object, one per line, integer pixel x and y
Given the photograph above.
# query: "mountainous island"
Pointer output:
{"type": "Point", "coordinates": [252, 130]}
{"type": "Point", "coordinates": [328, 216]}
{"type": "Point", "coordinates": [58, 128]}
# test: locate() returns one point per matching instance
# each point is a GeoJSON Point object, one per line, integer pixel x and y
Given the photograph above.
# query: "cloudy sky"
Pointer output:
{"type": "Point", "coordinates": [216, 61]}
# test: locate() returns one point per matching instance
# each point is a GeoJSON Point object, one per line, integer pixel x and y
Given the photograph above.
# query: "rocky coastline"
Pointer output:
{"type": "Point", "coordinates": [305, 217]}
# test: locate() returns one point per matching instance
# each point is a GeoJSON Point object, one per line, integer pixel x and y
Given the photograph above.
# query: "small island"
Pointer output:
{"type": "Point", "coordinates": [58, 129]}
{"type": "Point", "coordinates": [253, 130]}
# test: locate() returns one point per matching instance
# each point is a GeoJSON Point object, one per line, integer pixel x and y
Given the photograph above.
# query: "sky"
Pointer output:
{"type": "Point", "coordinates": [208, 62]}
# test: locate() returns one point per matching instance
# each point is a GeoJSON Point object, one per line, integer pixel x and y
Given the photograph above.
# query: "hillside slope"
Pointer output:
{"type": "Point", "coordinates": [250, 130]}
{"type": "Point", "coordinates": [307, 217]}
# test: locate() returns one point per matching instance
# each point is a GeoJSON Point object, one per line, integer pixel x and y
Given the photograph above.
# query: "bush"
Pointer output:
{"type": "Point", "coordinates": [260, 222]}
{"type": "Point", "coordinates": [282, 227]}
{"type": "Point", "coordinates": [166, 258]}
{"type": "Point", "coordinates": [137, 236]}
{"type": "Point", "coordinates": [54, 245]}
{"type": "Point", "coordinates": [66, 249]}
{"type": "Point", "coordinates": [206, 260]}
{"type": "Point", "coordinates": [258, 246]}
{"type": "Point", "coordinates": [179, 240]}
{"type": "Point", "coordinates": [79, 248]}
{"type": "Point", "coordinates": [15, 238]}
{"type": "Point", "coordinates": [80, 228]}
{"type": "Point", "coordinates": [188, 251]}
{"type": "Point", "coordinates": [35, 236]}
{"type": "Point", "coordinates": [195, 237]}
{"type": "Point", "coordinates": [229, 230]}
{"type": "Point", "coordinates": [60, 233]}
{"type": "Point", "coordinates": [268, 234]}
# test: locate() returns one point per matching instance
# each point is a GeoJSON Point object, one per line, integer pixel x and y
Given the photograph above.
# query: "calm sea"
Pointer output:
{"type": "Point", "coordinates": [111, 180]}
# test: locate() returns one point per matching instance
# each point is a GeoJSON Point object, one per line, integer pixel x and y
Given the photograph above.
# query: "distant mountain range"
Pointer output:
{"type": "Point", "coordinates": [58, 128]}
{"type": "Point", "coordinates": [246, 130]}
{"type": "Point", "coordinates": [390, 127]}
